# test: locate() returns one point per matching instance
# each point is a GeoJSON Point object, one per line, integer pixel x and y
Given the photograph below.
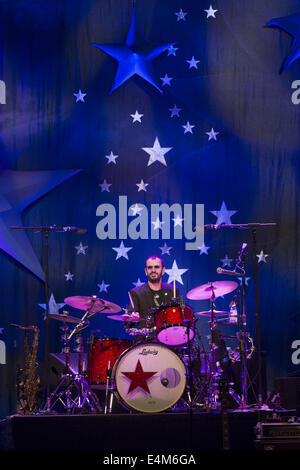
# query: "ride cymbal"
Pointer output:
{"type": "Point", "coordinates": [216, 288]}
{"type": "Point", "coordinates": [93, 304]}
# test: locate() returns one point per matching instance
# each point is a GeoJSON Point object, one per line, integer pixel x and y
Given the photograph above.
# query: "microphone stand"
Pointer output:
{"type": "Point", "coordinates": [46, 230]}
{"type": "Point", "coordinates": [253, 226]}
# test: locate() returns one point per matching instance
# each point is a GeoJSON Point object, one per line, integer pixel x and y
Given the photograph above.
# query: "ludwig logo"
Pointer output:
{"type": "Point", "coordinates": [2, 92]}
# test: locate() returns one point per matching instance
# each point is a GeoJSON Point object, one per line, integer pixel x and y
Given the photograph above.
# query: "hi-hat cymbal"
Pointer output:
{"type": "Point", "coordinates": [64, 318]}
{"type": "Point", "coordinates": [217, 288]}
{"type": "Point", "coordinates": [207, 313]}
{"type": "Point", "coordinates": [93, 304]}
{"type": "Point", "coordinates": [125, 317]}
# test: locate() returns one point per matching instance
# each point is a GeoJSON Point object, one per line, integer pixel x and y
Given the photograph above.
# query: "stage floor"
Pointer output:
{"type": "Point", "coordinates": [180, 431]}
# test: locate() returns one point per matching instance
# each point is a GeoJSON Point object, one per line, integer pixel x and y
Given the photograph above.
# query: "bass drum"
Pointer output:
{"type": "Point", "coordinates": [149, 378]}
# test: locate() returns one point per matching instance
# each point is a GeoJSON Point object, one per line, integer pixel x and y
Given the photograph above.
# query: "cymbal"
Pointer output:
{"type": "Point", "coordinates": [217, 287]}
{"type": "Point", "coordinates": [64, 318]}
{"type": "Point", "coordinates": [129, 318]}
{"type": "Point", "coordinates": [207, 313]}
{"type": "Point", "coordinates": [93, 304]}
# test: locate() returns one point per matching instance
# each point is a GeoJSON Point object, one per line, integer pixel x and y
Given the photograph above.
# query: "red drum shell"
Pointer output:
{"type": "Point", "coordinates": [101, 353]}
{"type": "Point", "coordinates": [174, 327]}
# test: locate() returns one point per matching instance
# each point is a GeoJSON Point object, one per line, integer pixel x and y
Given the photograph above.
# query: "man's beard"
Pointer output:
{"type": "Point", "coordinates": [155, 280]}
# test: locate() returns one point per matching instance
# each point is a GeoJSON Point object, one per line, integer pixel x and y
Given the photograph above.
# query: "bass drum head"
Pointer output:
{"type": "Point", "coordinates": [149, 378]}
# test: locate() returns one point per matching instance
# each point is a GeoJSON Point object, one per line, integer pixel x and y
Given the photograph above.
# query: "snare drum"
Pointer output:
{"type": "Point", "coordinates": [149, 378]}
{"type": "Point", "coordinates": [103, 353]}
{"type": "Point", "coordinates": [174, 325]}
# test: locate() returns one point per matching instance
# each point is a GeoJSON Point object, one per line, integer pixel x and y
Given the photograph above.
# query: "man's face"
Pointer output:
{"type": "Point", "coordinates": [154, 269]}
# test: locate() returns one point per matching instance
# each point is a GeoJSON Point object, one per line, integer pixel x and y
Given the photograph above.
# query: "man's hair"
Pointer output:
{"type": "Point", "coordinates": [155, 257]}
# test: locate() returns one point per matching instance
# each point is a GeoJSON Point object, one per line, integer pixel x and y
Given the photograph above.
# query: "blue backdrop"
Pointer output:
{"type": "Point", "coordinates": [175, 102]}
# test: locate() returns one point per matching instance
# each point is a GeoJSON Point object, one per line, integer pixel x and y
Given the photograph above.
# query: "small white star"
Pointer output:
{"type": "Point", "coordinates": [122, 251]}
{"type": "Point", "coordinates": [226, 261]}
{"type": "Point", "coordinates": [53, 306]}
{"type": "Point", "coordinates": [103, 287]}
{"type": "Point", "coordinates": [165, 250]}
{"type": "Point", "coordinates": [136, 209]}
{"type": "Point", "coordinates": [223, 215]}
{"type": "Point", "coordinates": [142, 186]}
{"type": "Point", "coordinates": [157, 153]}
{"type": "Point", "coordinates": [175, 111]}
{"type": "Point", "coordinates": [175, 273]}
{"type": "Point", "coordinates": [81, 249]}
{"type": "Point", "coordinates": [157, 224]}
{"type": "Point", "coordinates": [210, 12]}
{"type": "Point", "coordinates": [138, 283]}
{"type": "Point", "coordinates": [69, 276]}
{"type": "Point", "coordinates": [177, 221]}
{"type": "Point", "coordinates": [262, 257]}
{"type": "Point", "coordinates": [166, 80]}
{"type": "Point", "coordinates": [203, 249]}
{"type": "Point", "coordinates": [212, 134]}
{"type": "Point", "coordinates": [172, 50]}
{"type": "Point", "coordinates": [188, 128]}
{"type": "Point", "coordinates": [111, 158]}
{"type": "Point", "coordinates": [193, 63]}
{"type": "Point", "coordinates": [105, 186]}
{"type": "Point", "coordinates": [180, 15]}
{"type": "Point", "coordinates": [79, 96]}
{"type": "Point", "coordinates": [136, 117]}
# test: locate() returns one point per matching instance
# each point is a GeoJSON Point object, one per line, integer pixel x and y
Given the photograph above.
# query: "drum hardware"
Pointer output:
{"type": "Point", "coordinates": [72, 391]}
{"type": "Point", "coordinates": [253, 226]}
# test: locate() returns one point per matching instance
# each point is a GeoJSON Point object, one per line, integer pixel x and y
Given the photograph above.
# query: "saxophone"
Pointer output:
{"type": "Point", "coordinates": [28, 381]}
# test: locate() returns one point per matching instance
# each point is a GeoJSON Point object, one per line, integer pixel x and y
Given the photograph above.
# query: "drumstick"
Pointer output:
{"type": "Point", "coordinates": [132, 304]}
{"type": "Point", "coordinates": [174, 289]}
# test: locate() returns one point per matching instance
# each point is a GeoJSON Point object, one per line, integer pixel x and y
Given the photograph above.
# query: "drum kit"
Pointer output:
{"type": "Point", "coordinates": [164, 367]}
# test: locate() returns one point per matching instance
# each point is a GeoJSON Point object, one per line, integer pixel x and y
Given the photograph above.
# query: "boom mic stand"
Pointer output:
{"type": "Point", "coordinates": [46, 231]}
{"type": "Point", "coordinates": [253, 227]}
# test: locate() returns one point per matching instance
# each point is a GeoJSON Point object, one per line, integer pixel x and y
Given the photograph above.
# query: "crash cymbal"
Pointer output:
{"type": "Point", "coordinates": [93, 304]}
{"type": "Point", "coordinates": [207, 313]}
{"type": "Point", "coordinates": [125, 317]}
{"type": "Point", "coordinates": [217, 287]}
{"type": "Point", "coordinates": [64, 318]}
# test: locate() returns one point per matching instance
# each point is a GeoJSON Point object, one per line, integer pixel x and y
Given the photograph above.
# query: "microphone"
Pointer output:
{"type": "Point", "coordinates": [225, 271]}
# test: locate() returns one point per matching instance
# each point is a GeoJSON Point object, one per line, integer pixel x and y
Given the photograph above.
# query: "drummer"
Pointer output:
{"type": "Point", "coordinates": [153, 293]}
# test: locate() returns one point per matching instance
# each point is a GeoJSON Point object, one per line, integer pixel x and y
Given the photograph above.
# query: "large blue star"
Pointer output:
{"type": "Point", "coordinates": [131, 62]}
{"type": "Point", "coordinates": [19, 189]}
{"type": "Point", "coordinates": [291, 25]}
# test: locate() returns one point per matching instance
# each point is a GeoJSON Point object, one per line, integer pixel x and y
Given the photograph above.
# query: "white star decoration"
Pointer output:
{"type": "Point", "coordinates": [175, 273]}
{"type": "Point", "coordinates": [138, 283]}
{"type": "Point", "coordinates": [212, 134]}
{"type": "Point", "coordinates": [193, 63]}
{"type": "Point", "coordinates": [180, 15]}
{"type": "Point", "coordinates": [262, 257]}
{"type": "Point", "coordinates": [223, 215]}
{"type": "Point", "coordinates": [165, 250]}
{"type": "Point", "coordinates": [175, 111]}
{"type": "Point", "coordinates": [142, 186]}
{"type": "Point", "coordinates": [203, 249]}
{"type": "Point", "coordinates": [136, 209]}
{"type": "Point", "coordinates": [166, 80]}
{"type": "Point", "coordinates": [69, 276]}
{"type": "Point", "coordinates": [188, 128]}
{"type": "Point", "coordinates": [103, 287]}
{"type": "Point", "coordinates": [105, 186]}
{"type": "Point", "coordinates": [122, 251]}
{"type": "Point", "coordinates": [210, 12]}
{"type": "Point", "coordinates": [53, 306]}
{"type": "Point", "coordinates": [157, 153]}
{"type": "Point", "coordinates": [81, 249]}
{"type": "Point", "coordinates": [178, 221]}
{"type": "Point", "coordinates": [157, 224]}
{"type": "Point", "coordinates": [172, 50]}
{"type": "Point", "coordinates": [226, 261]}
{"type": "Point", "coordinates": [79, 96]}
{"type": "Point", "coordinates": [136, 117]}
{"type": "Point", "coordinates": [111, 158]}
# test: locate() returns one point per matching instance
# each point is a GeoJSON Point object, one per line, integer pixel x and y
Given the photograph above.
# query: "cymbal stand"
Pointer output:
{"type": "Point", "coordinates": [202, 389]}
{"type": "Point", "coordinates": [214, 375]}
